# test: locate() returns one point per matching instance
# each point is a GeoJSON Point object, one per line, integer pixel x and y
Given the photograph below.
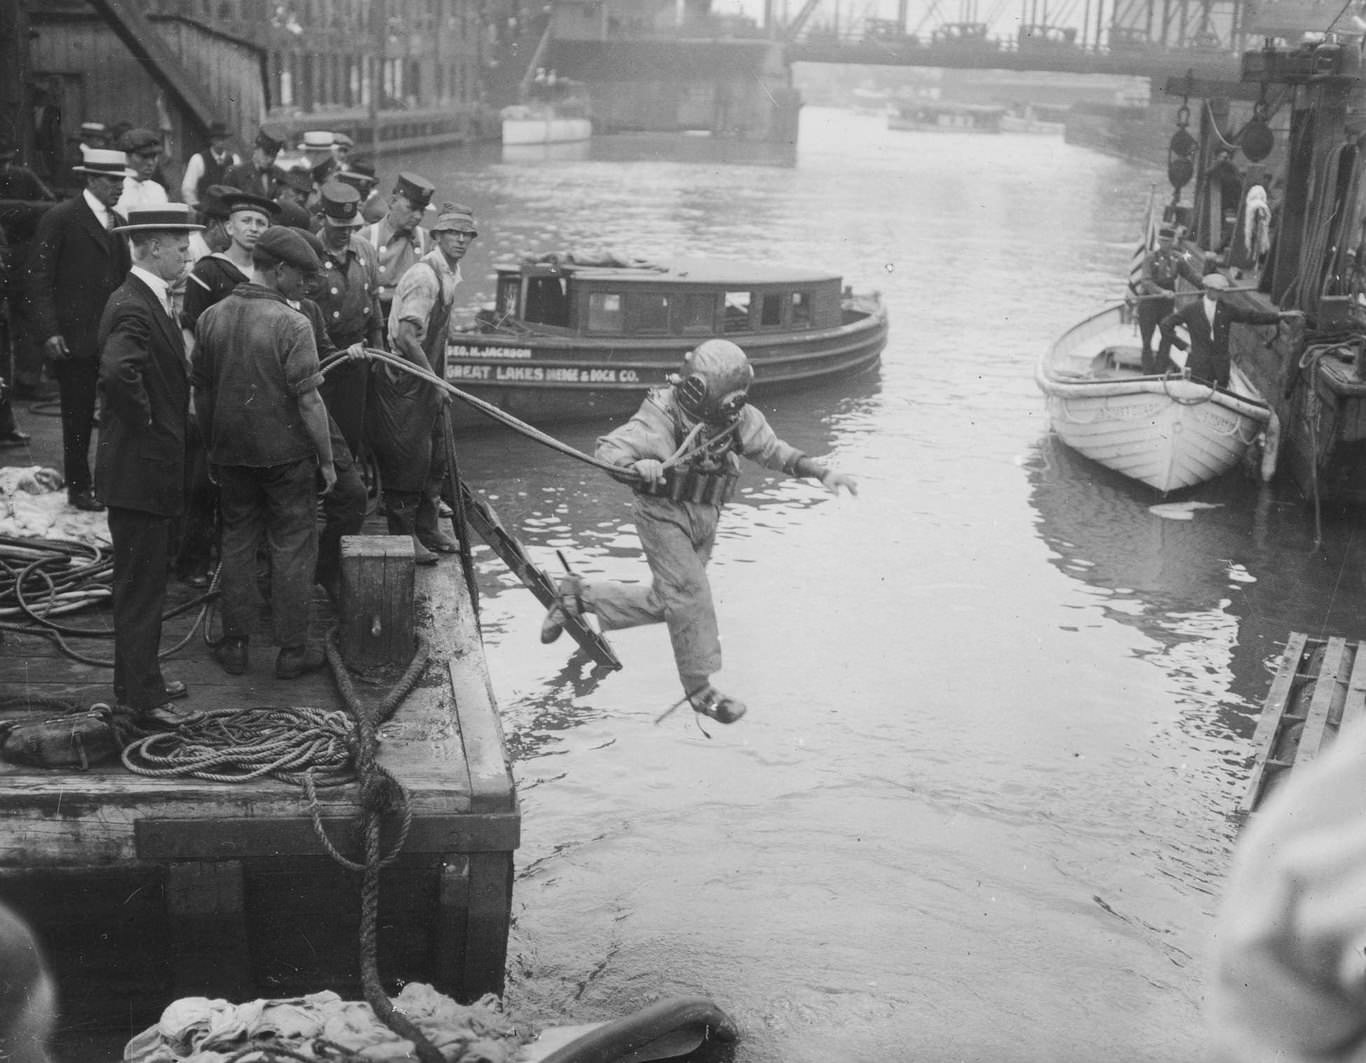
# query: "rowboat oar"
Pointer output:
{"type": "Point", "coordinates": [1193, 291]}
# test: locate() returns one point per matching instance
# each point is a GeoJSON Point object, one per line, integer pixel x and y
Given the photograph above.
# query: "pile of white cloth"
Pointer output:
{"type": "Point", "coordinates": [33, 505]}
{"type": "Point", "coordinates": [200, 1030]}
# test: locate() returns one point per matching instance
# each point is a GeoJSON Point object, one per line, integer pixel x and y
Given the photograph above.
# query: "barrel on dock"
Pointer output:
{"type": "Point", "coordinates": [1320, 686]}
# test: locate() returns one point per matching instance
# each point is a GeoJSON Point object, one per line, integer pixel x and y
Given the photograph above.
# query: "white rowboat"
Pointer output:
{"type": "Point", "coordinates": [1167, 431]}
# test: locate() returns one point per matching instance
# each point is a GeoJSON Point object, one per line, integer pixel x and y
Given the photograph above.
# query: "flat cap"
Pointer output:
{"type": "Point", "coordinates": [1215, 282]}
{"type": "Point", "coordinates": [211, 203]}
{"type": "Point", "coordinates": [282, 242]}
{"type": "Point", "coordinates": [136, 141]}
{"type": "Point", "coordinates": [270, 140]}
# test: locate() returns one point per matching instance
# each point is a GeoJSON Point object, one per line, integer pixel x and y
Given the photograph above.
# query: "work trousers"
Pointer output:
{"type": "Point", "coordinates": [345, 391]}
{"type": "Point", "coordinates": [77, 383]}
{"type": "Point", "coordinates": [343, 509]}
{"type": "Point", "coordinates": [141, 543]}
{"type": "Point", "coordinates": [197, 530]}
{"type": "Point", "coordinates": [1149, 313]}
{"type": "Point", "coordinates": [678, 538]}
{"type": "Point", "coordinates": [275, 503]}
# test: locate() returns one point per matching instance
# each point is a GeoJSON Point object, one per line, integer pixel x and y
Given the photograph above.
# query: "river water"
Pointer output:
{"type": "Point", "coordinates": [1000, 711]}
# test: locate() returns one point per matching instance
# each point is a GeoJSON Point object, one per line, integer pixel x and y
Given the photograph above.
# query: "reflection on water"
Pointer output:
{"type": "Point", "coordinates": [1000, 710]}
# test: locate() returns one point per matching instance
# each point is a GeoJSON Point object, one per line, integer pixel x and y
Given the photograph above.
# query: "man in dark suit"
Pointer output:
{"type": "Point", "coordinates": [140, 462]}
{"type": "Point", "coordinates": [75, 264]}
{"type": "Point", "coordinates": [257, 175]}
{"type": "Point", "coordinates": [1207, 321]}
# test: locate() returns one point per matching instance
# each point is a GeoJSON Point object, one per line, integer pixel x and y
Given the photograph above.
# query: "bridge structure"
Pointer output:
{"type": "Point", "coordinates": [734, 74]}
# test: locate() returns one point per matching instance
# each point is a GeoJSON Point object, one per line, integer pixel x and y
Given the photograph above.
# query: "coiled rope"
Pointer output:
{"type": "Point", "coordinates": [43, 578]}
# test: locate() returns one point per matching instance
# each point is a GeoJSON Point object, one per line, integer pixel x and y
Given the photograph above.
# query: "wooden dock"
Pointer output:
{"type": "Point", "coordinates": [1319, 687]}
{"type": "Point", "coordinates": [146, 889]}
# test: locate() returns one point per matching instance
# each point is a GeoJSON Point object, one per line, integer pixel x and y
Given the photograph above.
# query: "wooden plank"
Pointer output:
{"type": "Point", "coordinates": [1354, 707]}
{"type": "Point", "coordinates": [208, 940]}
{"type": "Point", "coordinates": [222, 839]}
{"type": "Point", "coordinates": [491, 785]}
{"type": "Point", "coordinates": [1329, 689]}
{"type": "Point", "coordinates": [486, 930]}
{"type": "Point", "coordinates": [1268, 724]}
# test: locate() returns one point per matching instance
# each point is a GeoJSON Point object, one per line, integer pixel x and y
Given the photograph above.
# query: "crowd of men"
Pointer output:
{"type": "Point", "coordinates": [196, 323]}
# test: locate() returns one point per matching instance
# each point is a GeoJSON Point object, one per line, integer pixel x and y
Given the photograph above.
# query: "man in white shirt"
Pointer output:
{"type": "Point", "coordinates": [140, 188]}
{"type": "Point", "coordinates": [208, 167]}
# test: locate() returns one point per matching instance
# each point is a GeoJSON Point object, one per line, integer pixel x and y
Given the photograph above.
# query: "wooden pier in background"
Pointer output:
{"type": "Point", "coordinates": [144, 890]}
{"type": "Point", "coordinates": [1320, 686]}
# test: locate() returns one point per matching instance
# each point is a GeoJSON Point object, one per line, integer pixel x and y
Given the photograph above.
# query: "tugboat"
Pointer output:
{"type": "Point", "coordinates": [1278, 207]}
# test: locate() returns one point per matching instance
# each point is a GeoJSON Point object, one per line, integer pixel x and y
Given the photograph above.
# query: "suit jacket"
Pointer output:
{"type": "Point", "coordinates": [245, 177]}
{"type": "Point", "coordinates": [74, 266]}
{"type": "Point", "coordinates": [144, 385]}
{"type": "Point", "coordinates": [1208, 346]}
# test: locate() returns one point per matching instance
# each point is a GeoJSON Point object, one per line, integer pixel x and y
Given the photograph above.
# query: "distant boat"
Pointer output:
{"type": "Point", "coordinates": [1168, 432]}
{"type": "Point", "coordinates": [554, 113]}
{"type": "Point", "coordinates": [580, 338]}
{"type": "Point", "coordinates": [943, 116]}
{"type": "Point", "coordinates": [1043, 121]}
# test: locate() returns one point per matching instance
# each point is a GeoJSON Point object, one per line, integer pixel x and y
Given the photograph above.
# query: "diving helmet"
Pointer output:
{"type": "Point", "coordinates": [716, 377]}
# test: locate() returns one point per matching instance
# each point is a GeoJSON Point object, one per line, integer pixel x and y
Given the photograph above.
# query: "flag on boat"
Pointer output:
{"type": "Point", "coordinates": [1148, 243]}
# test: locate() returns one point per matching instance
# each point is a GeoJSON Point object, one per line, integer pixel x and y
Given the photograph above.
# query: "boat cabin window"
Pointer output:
{"type": "Point", "coordinates": [771, 310]}
{"type": "Point", "coordinates": [604, 312]}
{"type": "Point", "coordinates": [698, 313]}
{"type": "Point", "coordinates": [736, 314]}
{"type": "Point", "coordinates": [546, 301]}
{"type": "Point", "coordinates": [509, 288]}
{"type": "Point", "coordinates": [647, 312]}
{"type": "Point", "coordinates": [801, 310]}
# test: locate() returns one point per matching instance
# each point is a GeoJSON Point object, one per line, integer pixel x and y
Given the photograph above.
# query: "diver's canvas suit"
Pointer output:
{"type": "Point", "coordinates": [678, 535]}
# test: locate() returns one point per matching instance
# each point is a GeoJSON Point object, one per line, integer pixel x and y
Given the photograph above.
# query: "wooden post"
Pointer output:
{"type": "Point", "coordinates": [376, 600]}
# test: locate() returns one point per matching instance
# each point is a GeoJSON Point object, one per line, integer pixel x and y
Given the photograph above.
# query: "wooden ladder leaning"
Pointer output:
{"type": "Point", "coordinates": [1319, 687]}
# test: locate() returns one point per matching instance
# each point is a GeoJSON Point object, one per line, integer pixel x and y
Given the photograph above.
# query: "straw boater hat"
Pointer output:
{"type": "Point", "coordinates": [103, 162]}
{"type": "Point", "coordinates": [317, 140]}
{"type": "Point", "coordinates": [166, 217]}
{"type": "Point", "coordinates": [93, 129]}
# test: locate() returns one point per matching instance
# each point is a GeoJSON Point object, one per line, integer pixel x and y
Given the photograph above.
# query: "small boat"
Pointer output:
{"type": "Point", "coordinates": [574, 337]}
{"type": "Point", "coordinates": [943, 116]}
{"type": "Point", "coordinates": [1168, 432]}
{"type": "Point", "coordinates": [554, 111]}
{"type": "Point", "coordinates": [1038, 120]}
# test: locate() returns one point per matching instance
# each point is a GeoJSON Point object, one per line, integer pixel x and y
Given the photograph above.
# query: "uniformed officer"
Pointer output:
{"type": "Point", "coordinates": [349, 300]}
{"type": "Point", "coordinates": [1156, 289]}
{"type": "Point", "coordinates": [397, 239]}
{"type": "Point", "coordinates": [683, 445]}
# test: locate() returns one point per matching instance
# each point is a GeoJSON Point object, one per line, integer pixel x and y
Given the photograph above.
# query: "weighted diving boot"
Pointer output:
{"type": "Point", "coordinates": [401, 510]}
{"type": "Point", "coordinates": [568, 602]}
{"type": "Point", "coordinates": [429, 530]}
{"type": "Point", "coordinates": [720, 707]}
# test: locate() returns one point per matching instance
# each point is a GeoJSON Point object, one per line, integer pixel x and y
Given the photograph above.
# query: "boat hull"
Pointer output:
{"type": "Point", "coordinates": [1167, 432]}
{"type": "Point", "coordinates": [545, 379]}
{"type": "Point", "coordinates": [546, 130]}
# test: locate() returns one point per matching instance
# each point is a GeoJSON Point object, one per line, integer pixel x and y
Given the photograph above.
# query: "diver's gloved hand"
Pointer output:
{"type": "Point", "coordinates": [832, 481]}
{"type": "Point", "coordinates": [651, 470]}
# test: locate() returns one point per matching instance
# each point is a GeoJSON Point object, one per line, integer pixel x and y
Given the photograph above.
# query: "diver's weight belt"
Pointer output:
{"type": "Point", "coordinates": [693, 485]}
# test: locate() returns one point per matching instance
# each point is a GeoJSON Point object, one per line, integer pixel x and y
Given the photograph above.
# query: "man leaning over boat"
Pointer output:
{"type": "Point", "coordinates": [1207, 322]}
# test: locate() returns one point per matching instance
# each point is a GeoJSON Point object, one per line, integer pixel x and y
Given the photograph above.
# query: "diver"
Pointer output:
{"type": "Point", "coordinates": [682, 446]}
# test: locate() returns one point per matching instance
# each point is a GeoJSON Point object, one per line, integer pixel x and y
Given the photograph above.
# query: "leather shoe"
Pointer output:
{"type": "Point", "coordinates": [231, 654]}
{"type": "Point", "coordinates": [295, 661]}
{"type": "Point", "coordinates": [86, 501]}
{"type": "Point", "coordinates": [165, 717]}
{"type": "Point", "coordinates": [15, 438]}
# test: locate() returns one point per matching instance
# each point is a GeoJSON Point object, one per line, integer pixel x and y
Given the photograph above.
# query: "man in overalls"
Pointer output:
{"type": "Point", "coordinates": [683, 446]}
{"type": "Point", "coordinates": [406, 426]}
